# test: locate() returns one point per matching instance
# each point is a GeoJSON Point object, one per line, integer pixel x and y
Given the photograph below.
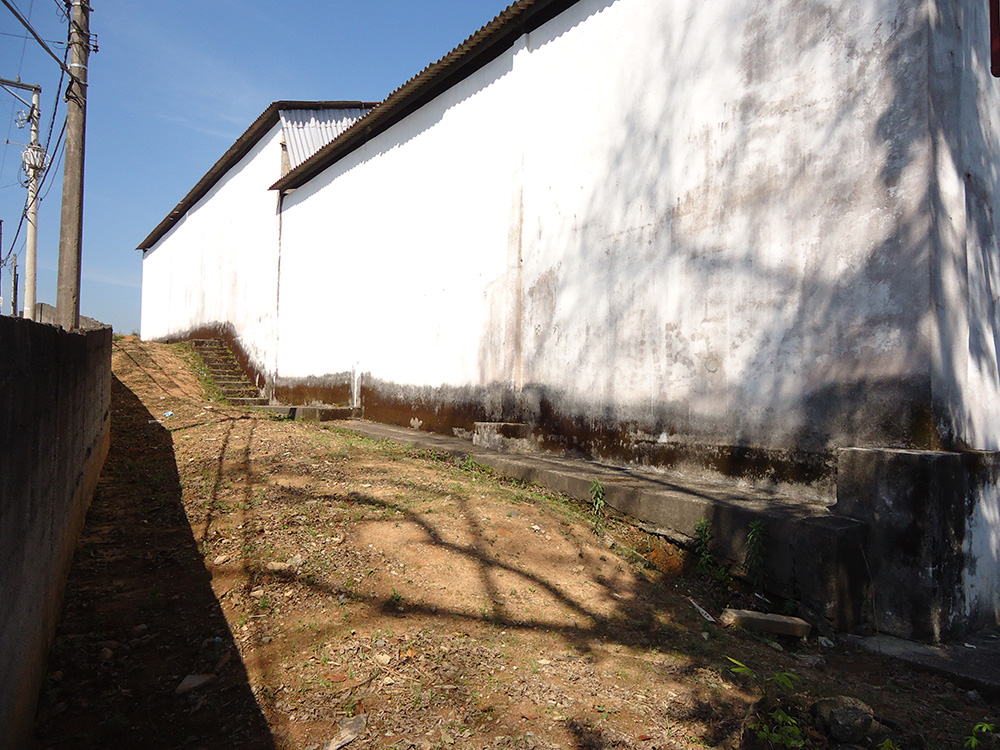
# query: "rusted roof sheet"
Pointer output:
{"type": "Point", "coordinates": [485, 45]}
{"type": "Point", "coordinates": [267, 120]}
{"type": "Point", "coordinates": [306, 131]}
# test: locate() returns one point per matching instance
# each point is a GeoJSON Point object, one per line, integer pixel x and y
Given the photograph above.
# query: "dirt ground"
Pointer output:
{"type": "Point", "coordinates": [309, 576]}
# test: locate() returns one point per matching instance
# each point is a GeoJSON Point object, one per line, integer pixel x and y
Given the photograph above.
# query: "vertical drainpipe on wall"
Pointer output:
{"type": "Point", "coordinates": [277, 295]}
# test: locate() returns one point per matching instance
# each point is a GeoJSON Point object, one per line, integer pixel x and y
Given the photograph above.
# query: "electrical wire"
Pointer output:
{"type": "Point", "coordinates": [27, 25]}
{"type": "Point", "coordinates": [60, 147]}
{"type": "Point", "coordinates": [24, 47]}
{"type": "Point", "coordinates": [26, 38]}
{"type": "Point", "coordinates": [20, 224]}
{"type": "Point", "coordinates": [52, 162]}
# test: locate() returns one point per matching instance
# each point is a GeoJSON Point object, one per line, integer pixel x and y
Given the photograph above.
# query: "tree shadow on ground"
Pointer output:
{"type": "Point", "coordinates": [140, 615]}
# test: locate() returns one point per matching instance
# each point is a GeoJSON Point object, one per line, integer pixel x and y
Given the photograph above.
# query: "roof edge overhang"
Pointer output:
{"type": "Point", "coordinates": [267, 120]}
{"type": "Point", "coordinates": [478, 50]}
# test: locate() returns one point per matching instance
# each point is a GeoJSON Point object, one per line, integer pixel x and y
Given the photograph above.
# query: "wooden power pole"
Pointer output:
{"type": "Point", "coordinates": [71, 224]}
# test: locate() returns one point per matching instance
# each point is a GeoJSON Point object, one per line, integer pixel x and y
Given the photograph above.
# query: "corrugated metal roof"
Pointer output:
{"type": "Point", "coordinates": [306, 131]}
{"type": "Point", "coordinates": [267, 120]}
{"type": "Point", "coordinates": [485, 45]}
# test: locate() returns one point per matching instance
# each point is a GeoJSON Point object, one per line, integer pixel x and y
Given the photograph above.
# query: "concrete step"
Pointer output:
{"type": "Point", "coordinates": [227, 374]}
{"type": "Point", "coordinates": [247, 401]}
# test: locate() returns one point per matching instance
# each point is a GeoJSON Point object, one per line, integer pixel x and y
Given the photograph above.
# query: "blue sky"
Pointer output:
{"type": "Point", "coordinates": [172, 87]}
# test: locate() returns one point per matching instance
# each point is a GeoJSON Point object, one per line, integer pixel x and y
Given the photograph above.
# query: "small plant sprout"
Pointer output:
{"type": "Point", "coordinates": [780, 731]}
{"type": "Point", "coordinates": [597, 505]}
{"type": "Point", "coordinates": [782, 680]}
{"type": "Point", "coordinates": [981, 733]}
{"type": "Point", "coordinates": [756, 555]}
{"type": "Point", "coordinates": [707, 565]}
{"type": "Point", "coordinates": [703, 546]}
{"type": "Point", "coordinates": [777, 729]}
{"type": "Point", "coordinates": [596, 497]}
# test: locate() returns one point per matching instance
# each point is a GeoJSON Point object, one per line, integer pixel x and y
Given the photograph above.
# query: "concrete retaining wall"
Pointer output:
{"type": "Point", "coordinates": [55, 397]}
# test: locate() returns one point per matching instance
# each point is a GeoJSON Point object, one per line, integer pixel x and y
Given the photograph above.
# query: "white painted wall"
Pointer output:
{"type": "Point", "coordinates": [982, 549]}
{"type": "Point", "coordinates": [720, 211]}
{"type": "Point", "coordinates": [386, 256]}
{"type": "Point", "coordinates": [967, 140]}
{"type": "Point", "coordinates": [219, 263]}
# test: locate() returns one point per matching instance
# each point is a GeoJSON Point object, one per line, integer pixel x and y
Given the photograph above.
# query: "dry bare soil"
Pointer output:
{"type": "Point", "coordinates": [310, 575]}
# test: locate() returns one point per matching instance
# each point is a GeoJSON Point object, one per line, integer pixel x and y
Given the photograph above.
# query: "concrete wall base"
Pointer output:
{"type": "Point", "coordinates": [930, 575]}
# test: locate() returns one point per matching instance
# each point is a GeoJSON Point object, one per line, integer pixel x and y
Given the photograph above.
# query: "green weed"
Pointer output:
{"type": "Point", "coordinates": [756, 556]}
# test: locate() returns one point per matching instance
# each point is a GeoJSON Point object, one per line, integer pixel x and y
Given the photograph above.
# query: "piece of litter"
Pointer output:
{"type": "Point", "coordinates": [350, 730]}
{"type": "Point", "coordinates": [193, 682]}
{"type": "Point", "coordinates": [701, 610]}
{"type": "Point", "coordinates": [168, 414]}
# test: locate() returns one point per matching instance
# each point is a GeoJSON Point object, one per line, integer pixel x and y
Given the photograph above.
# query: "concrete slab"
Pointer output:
{"type": "Point", "coordinates": [761, 622]}
{"type": "Point", "coordinates": [973, 662]}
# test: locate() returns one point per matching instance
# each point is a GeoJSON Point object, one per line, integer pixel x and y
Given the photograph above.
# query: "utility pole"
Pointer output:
{"type": "Point", "coordinates": [34, 163]}
{"type": "Point", "coordinates": [13, 291]}
{"type": "Point", "coordinates": [33, 160]}
{"type": "Point", "coordinates": [71, 224]}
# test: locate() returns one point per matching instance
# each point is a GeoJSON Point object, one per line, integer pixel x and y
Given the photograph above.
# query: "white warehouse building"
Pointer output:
{"type": "Point", "coordinates": [755, 238]}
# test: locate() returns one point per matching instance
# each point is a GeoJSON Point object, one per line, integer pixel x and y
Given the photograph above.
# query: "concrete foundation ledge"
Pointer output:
{"type": "Point", "coordinates": [933, 558]}
{"type": "Point", "coordinates": [505, 437]}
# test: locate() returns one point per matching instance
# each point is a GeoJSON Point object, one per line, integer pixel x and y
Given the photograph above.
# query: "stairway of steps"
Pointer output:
{"type": "Point", "coordinates": [227, 373]}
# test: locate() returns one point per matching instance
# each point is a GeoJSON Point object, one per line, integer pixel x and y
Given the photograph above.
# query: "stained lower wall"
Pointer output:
{"type": "Point", "coordinates": [55, 396]}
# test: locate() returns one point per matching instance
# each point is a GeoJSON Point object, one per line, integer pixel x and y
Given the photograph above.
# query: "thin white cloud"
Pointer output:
{"type": "Point", "coordinates": [199, 126]}
{"type": "Point", "coordinates": [99, 278]}
{"type": "Point", "coordinates": [206, 90]}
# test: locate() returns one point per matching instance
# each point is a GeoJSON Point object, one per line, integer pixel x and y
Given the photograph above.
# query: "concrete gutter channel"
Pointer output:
{"type": "Point", "coordinates": [815, 556]}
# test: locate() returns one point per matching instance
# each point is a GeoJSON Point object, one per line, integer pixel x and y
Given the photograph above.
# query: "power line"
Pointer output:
{"type": "Point", "coordinates": [24, 47]}
{"type": "Point", "coordinates": [20, 67]}
{"type": "Point", "coordinates": [27, 37]}
{"type": "Point", "coordinates": [27, 25]}
{"type": "Point", "coordinates": [53, 163]}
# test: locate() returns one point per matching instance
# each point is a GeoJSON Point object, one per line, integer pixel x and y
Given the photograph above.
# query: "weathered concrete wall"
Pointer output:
{"type": "Point", "coordinates": [703, 235]}
{"type": "Point", "coordinates": [964, 196]}
{"type": "Point", "coordinates": [217, 268]}
{"type": "Point", "coordinates": [934, 556]}
{"type": "Point", "coordinates": [55, 395]}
